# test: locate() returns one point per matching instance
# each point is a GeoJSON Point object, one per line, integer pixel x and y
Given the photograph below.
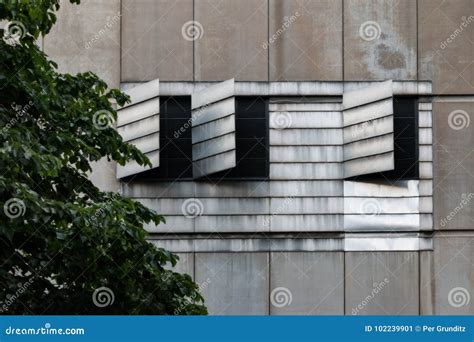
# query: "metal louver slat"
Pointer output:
{"type": "Point", "coordinates": [138, 123]}
{"type": "Point", "coordinates": [368, 130]}
{"type": "Point", "coordinates": [213, 129]}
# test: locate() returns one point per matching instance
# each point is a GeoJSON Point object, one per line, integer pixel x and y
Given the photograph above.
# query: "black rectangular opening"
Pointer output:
{"type": "Point", "coordinates": [251, 131]}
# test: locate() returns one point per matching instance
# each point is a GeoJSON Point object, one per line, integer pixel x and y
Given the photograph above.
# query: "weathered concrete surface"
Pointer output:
{"type": "Point", "coordinates": [237, 283]}
{"type": "Point", "coordinates": [446, 45]}
{"type": "Point", "coordinates": [380, 40]}
{"type": "Point", "coordinates": [152, 42]}
{"type": "Point", "coordinates": [87, 38]}
{"type": "Point", "coordinates": [453, 274]}
{"type": "Point", "coordinates": [453, 143]}
{"type": "Point", "coordinates": [103, 175]}
{"type": "Point", "coordinates": [314, 280]}
{"type": "Point", "coordinates": [231, 45]}
{"type": "Point", "coordinates": [305, 40]}
{"type": "Point", "coordinates": [382, 283]}
{"type": "Point", "coordinates": [427, 283]}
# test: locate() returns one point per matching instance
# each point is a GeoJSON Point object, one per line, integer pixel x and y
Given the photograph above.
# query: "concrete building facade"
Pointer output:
{"type": "Point", "coordinates": [359, 200]}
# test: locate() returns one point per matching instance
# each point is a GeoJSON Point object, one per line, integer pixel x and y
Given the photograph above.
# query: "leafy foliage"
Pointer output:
{"type": "Point", "coordinates": [61, 238]}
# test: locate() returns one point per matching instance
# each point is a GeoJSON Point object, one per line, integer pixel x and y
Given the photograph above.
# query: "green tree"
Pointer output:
{"type": "Point", "coordinates": [65, 246]}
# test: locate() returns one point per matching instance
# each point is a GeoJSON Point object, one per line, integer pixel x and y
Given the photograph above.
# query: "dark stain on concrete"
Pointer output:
{"type": "Point", "coordinates": [390, 59]}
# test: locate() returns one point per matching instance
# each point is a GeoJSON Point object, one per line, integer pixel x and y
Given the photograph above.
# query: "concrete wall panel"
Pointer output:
{"type": "Point", "coordinates": [86, 37]}
{"type": "Point", "coordinates": [305, 40]}
{"type": "Point", "coordinates": [382, 283]}
{"type": "Point", "coordinates": [426, 283]}
{"type": "Point", "coordinates": [173, 224]}
{"type": "Point", "coordinates": [307, 283]}
{"type": "Point", "coordinates": [446, 45]}
{"type": "Point", "coordinates": [231, 44]}
{"type": "Point", "coordinates": [380, 40]}
{"type": "Point", "coordinates": [453, 274]}
{"type": "Point", "coordinates": [153, 45]}
{"type": "Point", "coordinates": [237, 282]}
{"type": "Point", "coordinates": [454, 165]}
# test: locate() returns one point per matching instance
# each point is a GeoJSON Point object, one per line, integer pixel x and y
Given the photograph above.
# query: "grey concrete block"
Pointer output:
{"type": "Point", "coordinates": [380, 40]}
{"type": "Point", "coordinates": [235, 223]}
{"type": "Point", "coordinates": [318, 154]}
{"type": "Point", "coordinates": [142, 189]}
{"type": "Point", "coordinates": [305, 40]}
{"type": "Point", "coordinates": [453, 165]}
{"type": "Point", "coordinates": [86, 37]}
{"type": "Point", "coordinates": [427, 282]}
{"type": "Point", "coordinates": [103, 175]}
{"type": "Point", "coordinates": [453, 274]}
{"type": "Point", "coordinates": [231, 44]}
{"type": "Point", "coordinates": [445, 45]}
{"type": "Point", "coordinates": [173, 224]}
{"type": "Point", "coordinates": [307, 283]}
{"type": "Point", "coordinates": [306, 171]}
{"type": "Point", "coordinates": [153, 45]}
{"type": "Point", "coordinates": [382, 283]}
{"type": "Point", "coordinates": [208, 206]}
{"type": "Point", "coordinates": [237, 283]}
{"type": "Point", "coordinates": [306, 223]}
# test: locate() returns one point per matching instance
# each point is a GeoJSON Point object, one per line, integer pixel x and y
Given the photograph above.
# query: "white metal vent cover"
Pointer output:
{"type": "Point", "coordinates": [368, 135]}
{"type": "Point", "coordinates": [138, 123]}
{"type": "Point", "coordinates": [213, 129]}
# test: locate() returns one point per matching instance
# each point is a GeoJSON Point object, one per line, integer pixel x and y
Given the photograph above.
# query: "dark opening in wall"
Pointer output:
{"type": "Point", "coordinates": [251, 130]}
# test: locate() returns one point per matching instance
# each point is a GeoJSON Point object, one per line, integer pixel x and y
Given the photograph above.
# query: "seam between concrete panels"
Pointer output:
{"type": "Point", "coordinates": [194, 45]}
{"type": "Point", "coordinates": [343, 51]}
